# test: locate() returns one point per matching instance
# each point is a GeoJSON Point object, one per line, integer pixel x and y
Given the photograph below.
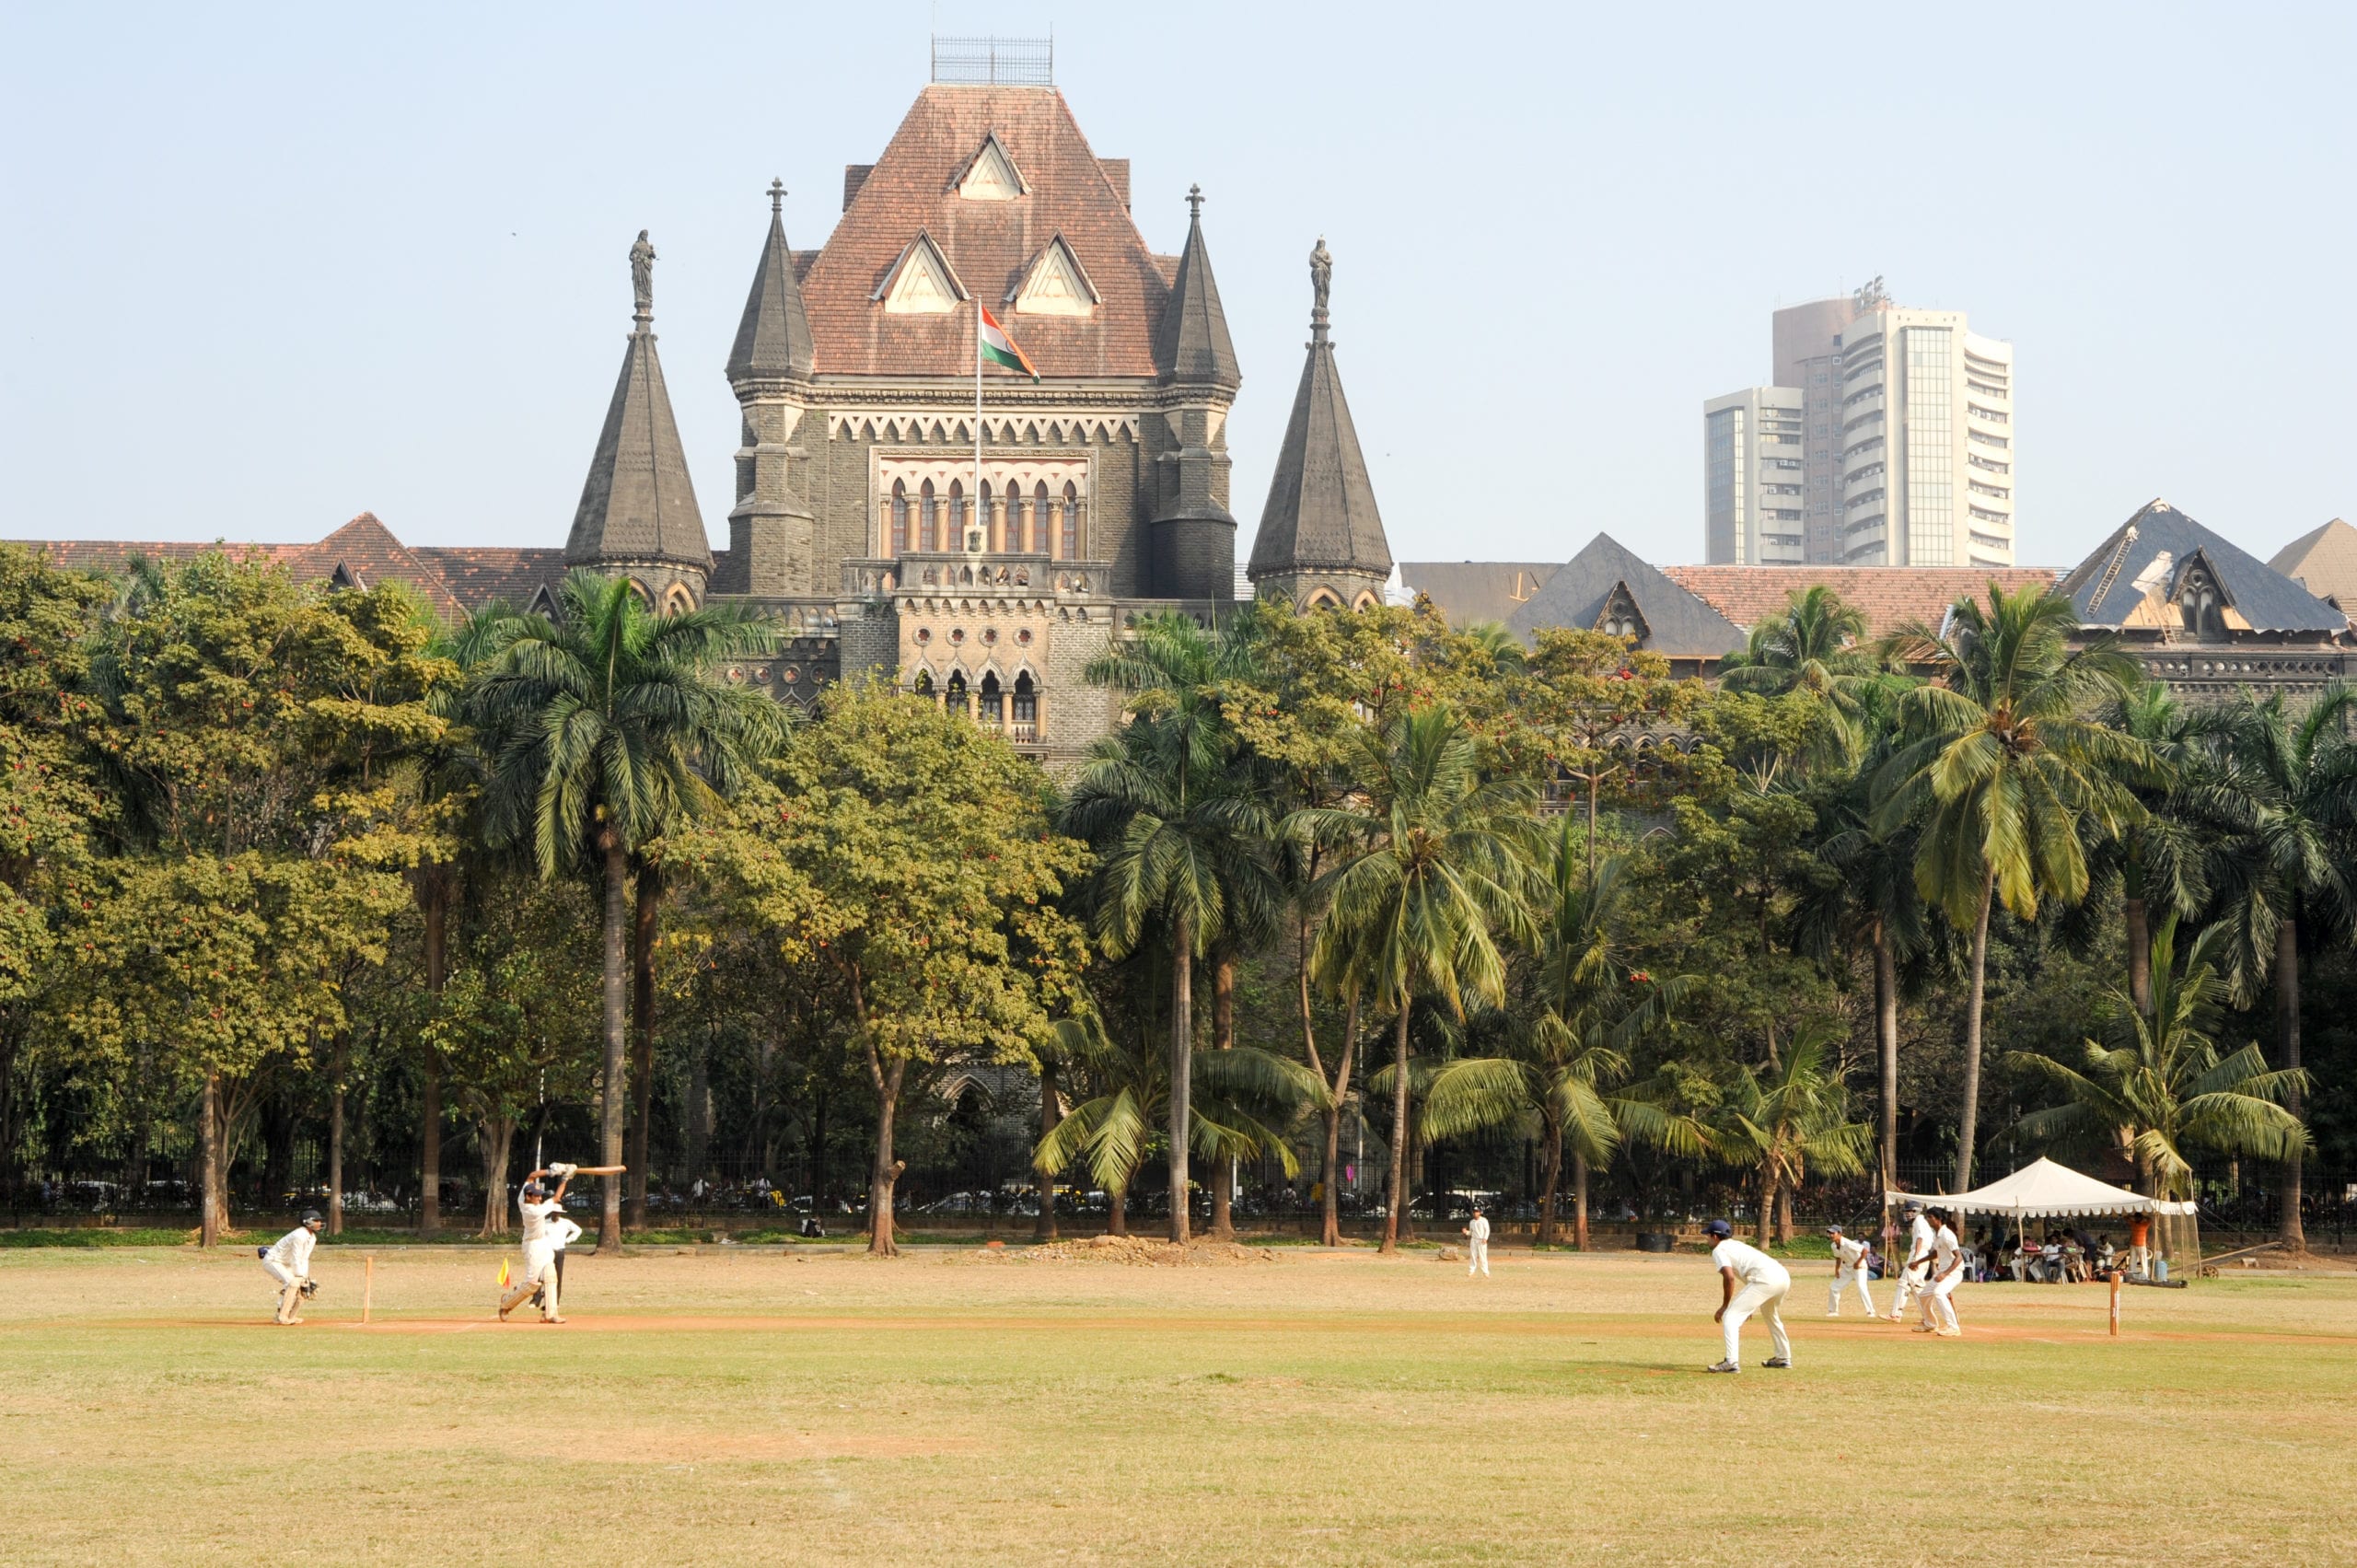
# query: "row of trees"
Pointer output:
{"type": "Point", "coordinates": [265, 843]}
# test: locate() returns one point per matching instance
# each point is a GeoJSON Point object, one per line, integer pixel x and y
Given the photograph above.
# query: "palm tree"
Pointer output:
{"type": "Point", "coordinates": [2160, 854]}
{"type": "Point", "coordinates": [1245, 1099]}
{"type": "Point", "coordinates": [2168, 1089]}
{"type": "Point", "coordinates": [1499, 641]}
{"type": "Point", "coordinates": [2001, 764]}
{"type": "Point", "coordinates": [2281, 783]}
{"type": "Point", "coordinates": [1431, 872]}
{"type": "Point", "coordinates": [1182, 828]}
{"type": "Point", "coordinates": [1818, 647]}
{"type": "Point", "coordinates": [1592, 1007]}
{"type": "Point", "coordinates": [1780, 1123]}
{"type": "Point", "coordinates": [612, 726]}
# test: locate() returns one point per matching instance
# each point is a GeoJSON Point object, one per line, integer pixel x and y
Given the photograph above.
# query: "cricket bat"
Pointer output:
{"type": "Point", "coordinates": [596, 1170]}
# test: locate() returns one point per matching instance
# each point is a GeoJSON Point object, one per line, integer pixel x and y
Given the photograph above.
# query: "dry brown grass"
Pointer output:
{"type": "Point", "coordinates": [733, 1407]}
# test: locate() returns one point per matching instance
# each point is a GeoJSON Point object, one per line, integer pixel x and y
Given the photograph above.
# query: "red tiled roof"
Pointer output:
{"type": "Point", "coordinates": [989, 245]}
{"type": "Point", "coordinates": [479, 574]}
{"type": "Point", "coordinates": [1890, 596]}
{"type": "Point", "coordinates": [364, 550]}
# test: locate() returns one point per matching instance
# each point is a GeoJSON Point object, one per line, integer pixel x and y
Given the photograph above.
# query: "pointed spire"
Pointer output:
{"type": "Point", "coordinates": [1194, 345]}
{"type": "Point", "coordinates": [1322, 515]}
{"type": "Point", "coordinates": [773, 338]}
{"type": "Point", "coordinates": [637, 504]}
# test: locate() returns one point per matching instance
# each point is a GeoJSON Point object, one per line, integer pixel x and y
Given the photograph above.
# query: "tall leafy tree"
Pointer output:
{"type": "Point", "coordinates": [2167, 1089]}
{"type": "Point", "coordinates": [1180, 819]}
{"type": "Point", "coordinates": [2001, 761]}
{"type": "Point", "coordinates": [2280, 784]}
{"type": "Point", "coordinates": [1781, 1121]}
{"type": "Point", "coordinates": [2161, 854]}
{"type": "Point", "coordinates": [1817, 647]}
{"type": "Point", "coordinates": [614, 726]}
{"type": "Point", "coordinates": [1431, 882]}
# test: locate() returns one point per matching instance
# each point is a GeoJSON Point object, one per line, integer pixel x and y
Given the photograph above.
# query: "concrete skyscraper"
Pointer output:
{"type": "Point", "coordinates": [1906, 439]}
{"type": "Point", "coordinates": [1752, 478]}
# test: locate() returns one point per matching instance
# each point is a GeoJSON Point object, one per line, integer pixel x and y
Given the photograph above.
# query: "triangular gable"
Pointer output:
{"type": "Point", "coordinates": [1622, 616]}
{"type": "Point", "coordinates": [1054, 285]}
{"type": "Point", "coordinates": [990, 175]}
{"type": "Point", "coordinates": [920, 282]}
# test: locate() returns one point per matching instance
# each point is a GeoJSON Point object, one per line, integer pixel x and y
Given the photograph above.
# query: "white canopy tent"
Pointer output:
{"type": "Point", "coordinates": [2043, 1190]}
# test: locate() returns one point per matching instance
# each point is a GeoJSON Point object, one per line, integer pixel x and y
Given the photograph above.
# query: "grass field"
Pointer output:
{"type": "Point", "coordinates": [742, 1406]}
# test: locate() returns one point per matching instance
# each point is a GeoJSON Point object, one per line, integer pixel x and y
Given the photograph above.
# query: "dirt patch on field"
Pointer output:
{"type": "Point", "coordinates": [1138, 1251]}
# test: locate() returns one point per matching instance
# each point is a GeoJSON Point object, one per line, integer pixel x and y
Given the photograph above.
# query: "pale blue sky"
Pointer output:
{"type": "Point", "coordinates": [264, 270]}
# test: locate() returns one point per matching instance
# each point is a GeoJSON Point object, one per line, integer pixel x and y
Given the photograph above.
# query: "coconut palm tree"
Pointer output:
{"type": "Point", "coordinates": [1817, 647]}
{"type": "Point", "coordinates": [2001, 762]}
{"type": "Point", "coordinates": [1182, 827]}
{"type": "Point", "coordinates": [2161, 855]}
{"type": "Point", "coordinates": [613, 725]}
{"type": "Point", "coordinates": [1499, 641]}
{"type": "Point", "coordinates": [1591, 1008]}
{"type": "Point", "coordinates": [1244, 1100]}
{"type": "Point", "coordinates": [2280, 784]}
{"type": "Point", "coordinates": [1780, 1124]}
{"type": "Point", "coordinates": [1431, 871]}
{"type": "Point", "coordinates": [2168, 1089]}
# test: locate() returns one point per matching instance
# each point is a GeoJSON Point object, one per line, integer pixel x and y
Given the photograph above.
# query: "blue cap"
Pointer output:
{"type": "Point", "coordinates": [1719, 1228]}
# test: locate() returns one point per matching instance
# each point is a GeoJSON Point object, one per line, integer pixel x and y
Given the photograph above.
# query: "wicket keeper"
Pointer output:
{"type": "Point", "coordinates": [289, 1263]}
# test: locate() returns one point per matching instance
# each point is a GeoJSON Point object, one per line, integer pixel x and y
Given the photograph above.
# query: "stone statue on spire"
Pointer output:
{"type": "Point", "coordinates": [1321, 273]}
{"type": "Point", "coordinates": [641, 276]}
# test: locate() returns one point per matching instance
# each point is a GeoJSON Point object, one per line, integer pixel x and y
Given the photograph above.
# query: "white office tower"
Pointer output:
{"type": "Point", "coordinates": [1753, 478]}
{"type": "Point", "coordinates": [1924, 436]}
{"type": "Point", "coordinates": [1808, 358]}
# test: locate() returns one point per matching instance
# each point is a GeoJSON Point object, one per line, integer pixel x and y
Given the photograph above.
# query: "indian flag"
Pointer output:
{"type": "Point", "coordinates": [998, 348]}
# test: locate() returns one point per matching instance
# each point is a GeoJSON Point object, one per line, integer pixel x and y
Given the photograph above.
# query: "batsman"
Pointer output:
{"type": "Point", "coordinates": [541, 1209]}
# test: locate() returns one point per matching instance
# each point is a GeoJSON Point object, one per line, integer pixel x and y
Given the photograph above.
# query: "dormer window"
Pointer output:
{"type": "Point", "coordinates": [921, 282]}
{"type": "Point", "coordinates": [990, 175]}
{"type": "Point", "coordinates": [1054, 285]}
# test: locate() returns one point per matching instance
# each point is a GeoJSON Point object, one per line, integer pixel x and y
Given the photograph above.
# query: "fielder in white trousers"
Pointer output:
{"type": "Point", "coordinates": [1476, 1246]}
{"type": "Point", "coordinates": [1849, 1268]}
{"type": "Point", "coordinates": [1757, 1283]}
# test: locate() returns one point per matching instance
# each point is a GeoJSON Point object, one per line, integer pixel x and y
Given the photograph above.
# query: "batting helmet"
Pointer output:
{"type": "Point", "coordinates": [534, 1189]}
{"type": "Point", "coordinates": [1718, 1227]}
{"type": "Point", "coordinates": [313, 1217]}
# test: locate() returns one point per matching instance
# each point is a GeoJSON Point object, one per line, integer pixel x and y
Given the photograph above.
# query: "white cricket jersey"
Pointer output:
{"type": "Point", "coordinates": [536, 1218]}
{"type": "Point", "coordinates": [1750, 1265]}
{"type": "Point", "coordinates": [293, 1252]}
{"type": "Point", "coordinates": [1849, 1254]}
{"type": "Point", "coordinates": [562, 1232]}
{"type": "Point", "coordinates": [1479, 1228]}
{"type": "Point", "coordinates": [1919, 1240]}
{"type": "Point", "coordinates": [1944, 1249]}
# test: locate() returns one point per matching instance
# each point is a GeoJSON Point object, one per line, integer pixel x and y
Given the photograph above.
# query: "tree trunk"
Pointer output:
{"type": "Point", "coordinates": [1117, 1221]}
{"type": "Point", "coordinates": [1223, 1039]}
{"type": "Point", "coordinates": [2140, 954]}
{"type": "Point", "coordinates": [1329, 1225]}
{"type": "Point", "coordinates": [1551, 1170]}
{"type": "Point", "coordinates": [1579, 1200]}
{"type": "Point", "coordinates": [434, 895]}
{"type": "Point", "coordinates": [699, 1139]}
{"type": "Point", "coordinates": [649, 901]}
{"type": "Point", "coordinates": [1044, 1227]}
{"type": "Point", "coordinates": [614, 974]}
{"type": "Point", "coordinates": [496, 1136]}
{"type": "Point", "coordinates": [1784, 1213]}
{"type": "Point", "coordinates": [1396, 1200]}
{"type": "Point", "coordinates": [335, 1137]}
{"type": "Point", "coordinates": [2291, 1231]}
{"type": "Point", "coordinates": [1766, 1228]}
{"type": "Point", "coordinates": [1887, 1051]}
{"type": "Point", "coordinates": [1970, 1126]}
{"type": "Point", "coordinates": [885, 1175]}
{"type": "Point", "coordinates": [1182, 1067]}
{"type": "Point", "coordinates": [210, 1175]}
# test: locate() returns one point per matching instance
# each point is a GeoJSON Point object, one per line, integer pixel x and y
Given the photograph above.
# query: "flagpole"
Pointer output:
{"type": "Point", "coordinates": [978, 417]}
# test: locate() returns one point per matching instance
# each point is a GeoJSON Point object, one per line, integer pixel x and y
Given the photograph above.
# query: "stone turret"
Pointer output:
{"type": "Point", "coordinates": [772, 543]}
{"type": "Point", "coordinates": [1191, 539]}
{"type": "Point", "coordinates": [638, 515]}
{"type": "Point", "coordinates": [1321, 538]}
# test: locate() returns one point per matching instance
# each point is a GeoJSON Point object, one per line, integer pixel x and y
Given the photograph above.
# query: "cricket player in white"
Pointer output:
{"type": "Point", "coordinates": [1476, 1244]}
{"type": "Point", "coordinates": [289, 1263]}
{"type": "Point", "coordinates": [535, 1204]}
{"type": "Point", "coordinates": [1917, 1269]}
{"type": "Point", "coordinates": [1753, 1283]}
{"type": "Point", "coordinates": [1849, 1267]}
{"type": "Point", "coordinates": [1947, 1272]}
{"type": "Point", "coordinates": [562, 1233]}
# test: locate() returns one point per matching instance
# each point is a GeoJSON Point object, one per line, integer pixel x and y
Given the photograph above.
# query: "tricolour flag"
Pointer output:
{"type": "Point", "coordinates": [999, 349]}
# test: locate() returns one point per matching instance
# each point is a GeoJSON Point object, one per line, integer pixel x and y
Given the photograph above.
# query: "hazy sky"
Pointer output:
{"type": "Point", "coordinates": [264, 270]}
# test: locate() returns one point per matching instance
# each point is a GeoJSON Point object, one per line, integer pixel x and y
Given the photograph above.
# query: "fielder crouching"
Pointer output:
{"type": "Point", "coordinates": [289, 1263]}
{"type": "Point", "coordinates": [536, 1204]}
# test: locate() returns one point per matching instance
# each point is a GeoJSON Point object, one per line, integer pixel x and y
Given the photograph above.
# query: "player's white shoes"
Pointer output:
{"type": "Point", "coordinates": [1724, 1367]}
{"type": "Point", "coordinates": [1775, 1361]}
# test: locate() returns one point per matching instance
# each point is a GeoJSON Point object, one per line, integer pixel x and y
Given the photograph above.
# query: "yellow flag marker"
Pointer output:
{"type": "Point", "coordinates": [503, 1274]}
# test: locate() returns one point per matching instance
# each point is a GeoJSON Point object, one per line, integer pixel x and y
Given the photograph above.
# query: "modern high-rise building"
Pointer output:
{"type": "Point", "coordinates": [1925, 433]}
{"type": "Point", "coordinates": [1907, 441]}
{"type": "Point", "coordinates": [1753, 478]}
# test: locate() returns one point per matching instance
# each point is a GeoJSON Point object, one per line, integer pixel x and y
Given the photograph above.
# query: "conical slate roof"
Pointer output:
{"type": "Point", "coordinates": [2324, 561]}
{"type": "Point", "coordinates": [774, 339]}
{"type": "Point", "coordinates": [637, 504]}
{"type": "Point", "coordinates": [2132, 579]}
{"type": "Point", "coordinates": [1678, 624]}
{"type": "Point", "coordinates": [1192, 346]}
{"type": "Point", "coordinates": [1321, 511]}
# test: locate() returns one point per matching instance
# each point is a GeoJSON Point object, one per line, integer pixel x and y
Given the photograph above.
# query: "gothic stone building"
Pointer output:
{"type": "Point", "coordinates": [859, 519]}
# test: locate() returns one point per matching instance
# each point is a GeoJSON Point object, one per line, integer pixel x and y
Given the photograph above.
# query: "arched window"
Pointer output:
{"type": "Point", "coordinates": [1366, 601]}
{"type": "Point", "coordinates": [1041, 523]}
{"type": "Point", "coordinates": [899, 517]}
{"type": "Point", "coordinates": [638, 591]}
{"type": "Point", "coordinates": [922, 685]}
{"type": "Point", "coordinates": [931, 529]}
{"type": "Point", "coordinates": [988, 517]}
{"type": "Point", "coordinates": [1071, 522]}
{"type": "Point", "coordinates": [1026, 716]}
{"type": "Point", "coordinates": [957, 531]}
{"type": "Point", "coordinates": [953, 696]}
{"type": "Point", "coordinates": [990, 703]}
{"type": "Point", "coordinates": [679, 601]}
{"type": "Point", "coordinates": [1324, 599]}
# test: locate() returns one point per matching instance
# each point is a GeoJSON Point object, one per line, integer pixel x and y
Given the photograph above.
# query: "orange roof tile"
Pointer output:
{"type": "Point", "coordinates": [1890, 596]}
